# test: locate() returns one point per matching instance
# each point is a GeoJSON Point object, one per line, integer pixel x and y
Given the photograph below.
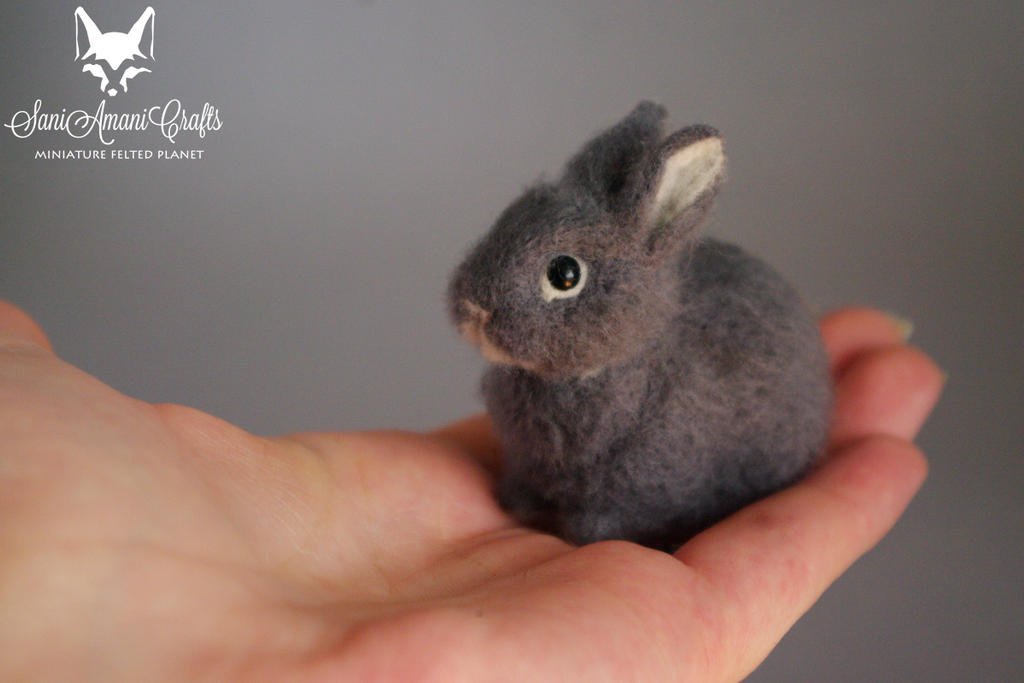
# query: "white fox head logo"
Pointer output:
{"type": "Point", "coordinates": [106, 54]}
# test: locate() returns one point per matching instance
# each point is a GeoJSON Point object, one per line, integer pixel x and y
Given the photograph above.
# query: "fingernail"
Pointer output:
{"type": "Point", "coordinates": [904, 327]}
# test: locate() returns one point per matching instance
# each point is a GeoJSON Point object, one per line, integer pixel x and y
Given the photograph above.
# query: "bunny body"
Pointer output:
{"type": "Point", "coordinates": [646, 383]}
{"type": "Point", "coordinates": [723, 409]}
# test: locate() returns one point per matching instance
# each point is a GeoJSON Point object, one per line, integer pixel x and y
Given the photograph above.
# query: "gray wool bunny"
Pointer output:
{"type": "Point", "coordinates": [645, 382]}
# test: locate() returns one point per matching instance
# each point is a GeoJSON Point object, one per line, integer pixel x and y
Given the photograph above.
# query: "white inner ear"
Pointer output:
{"type": "Point", "coordinates": [687, 174]}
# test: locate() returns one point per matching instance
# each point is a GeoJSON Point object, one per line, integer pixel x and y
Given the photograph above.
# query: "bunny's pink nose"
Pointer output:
{"type": "Point", "coordinates": [474, 318]}
{"type": "Point", "coordinates": [474, 311]}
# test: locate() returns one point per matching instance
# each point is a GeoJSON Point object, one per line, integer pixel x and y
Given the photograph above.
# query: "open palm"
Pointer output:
{"type": "Point", "coordinates": [155, 541]}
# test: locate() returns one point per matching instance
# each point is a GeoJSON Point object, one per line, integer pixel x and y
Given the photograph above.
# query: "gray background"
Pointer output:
{"type": "Point", "coordinates": [293, 279]}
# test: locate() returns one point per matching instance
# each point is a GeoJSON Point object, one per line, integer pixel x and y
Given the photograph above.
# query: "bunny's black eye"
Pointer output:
{"type": "Point", "coordinates": [564, 277]}
{"type": "Point", "coordinates": [564, 272]}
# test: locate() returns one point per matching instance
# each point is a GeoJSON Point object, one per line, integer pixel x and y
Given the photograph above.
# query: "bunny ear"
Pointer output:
{"type": "Point", "coordinates": [684, 179]}
{"type": "Point", "coordinates": [606, 165]}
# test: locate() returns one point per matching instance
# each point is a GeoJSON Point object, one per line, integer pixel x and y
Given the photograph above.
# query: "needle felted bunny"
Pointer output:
{"type": "Point", "coordinates": [646, 382]}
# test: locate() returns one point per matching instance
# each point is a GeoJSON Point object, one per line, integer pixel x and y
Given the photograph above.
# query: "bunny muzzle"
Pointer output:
{"type": "Point", "coordinates": [472, 322]}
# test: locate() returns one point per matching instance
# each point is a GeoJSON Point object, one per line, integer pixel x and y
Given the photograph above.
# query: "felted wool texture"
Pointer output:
{"type": "Point", "coordinates": [683, 381]}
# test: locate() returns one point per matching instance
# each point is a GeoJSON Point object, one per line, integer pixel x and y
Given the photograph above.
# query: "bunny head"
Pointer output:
{"type": "Point", "coordinates": [579, 274]}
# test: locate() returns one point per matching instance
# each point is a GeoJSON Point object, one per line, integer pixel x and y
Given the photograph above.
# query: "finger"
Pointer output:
{"type": "Point", "coordinates": [850, 332]}
{"type": "Point", "coordinates": [887, 391]}
{"type": "Point", "coordinates": [768, 563]}
{"type": "Point", "coordinates": [16, 325]}
{"type": "Point", "coordinates": [474, 435]}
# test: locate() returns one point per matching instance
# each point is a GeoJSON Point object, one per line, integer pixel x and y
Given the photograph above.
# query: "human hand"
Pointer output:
{"type": "Point", "coordinates": [144, 541]}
